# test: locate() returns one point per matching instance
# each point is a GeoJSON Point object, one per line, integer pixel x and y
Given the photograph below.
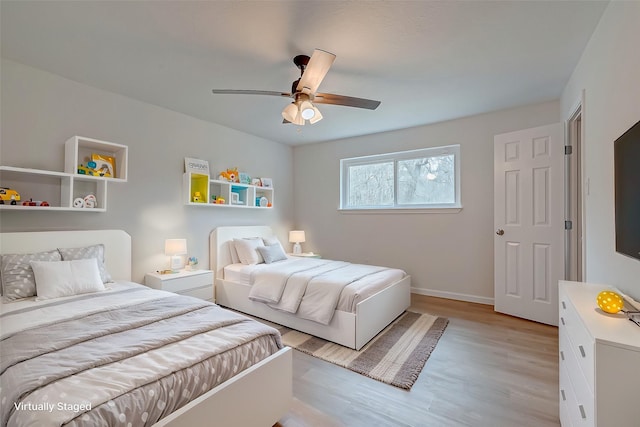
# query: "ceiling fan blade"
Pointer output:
{"type": "Point", "coordinates": [249, 92]}
{"type": "Point", "coordinates": [315, 71]}
{"type": "Point", "coordinates": [349, 101]}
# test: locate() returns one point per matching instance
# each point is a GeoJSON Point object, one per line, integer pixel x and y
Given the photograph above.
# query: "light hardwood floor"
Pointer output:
{"type": "Point", "coordinates": [488, 369]}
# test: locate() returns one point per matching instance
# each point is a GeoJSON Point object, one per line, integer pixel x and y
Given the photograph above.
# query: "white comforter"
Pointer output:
{"type": "Point", "coordinates": [310, 288]}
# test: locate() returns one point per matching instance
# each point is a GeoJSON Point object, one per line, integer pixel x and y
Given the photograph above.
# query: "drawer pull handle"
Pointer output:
{"type": "Point", "coordinates": [563, 396]}
{"type": "Point", "coordinates": [564, 305]}
{"type": "Point", "coordinates": [582, 351]}
{"type": "Point", "coordinates": [582, 412]}
{"type": "Point", "coordinates": [562, 320]}
{"type": "Point", "coordinates": [562, 355]}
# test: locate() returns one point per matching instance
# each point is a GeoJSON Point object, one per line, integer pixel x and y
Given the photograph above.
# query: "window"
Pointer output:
{"type": "Point", "coordinates": [419, 179]}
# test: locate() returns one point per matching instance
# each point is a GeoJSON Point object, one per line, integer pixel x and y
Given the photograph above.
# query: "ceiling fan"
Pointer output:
{"type": "Point", "coordinates": [304, 91]}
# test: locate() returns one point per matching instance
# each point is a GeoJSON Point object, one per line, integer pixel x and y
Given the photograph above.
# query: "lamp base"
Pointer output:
{"type": "Point", "coordinates": [297, 249]}
{"type": "Point", "coordinates": [176, 262]}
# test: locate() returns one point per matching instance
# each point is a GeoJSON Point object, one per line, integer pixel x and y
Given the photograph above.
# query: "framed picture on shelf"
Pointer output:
{"type": "Point", "coordinates": [267, 182]}
{"type": "Point", "coordinates": [245, 178]}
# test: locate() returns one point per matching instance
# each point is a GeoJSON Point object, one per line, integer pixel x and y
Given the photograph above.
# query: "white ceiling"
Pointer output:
{"type": "Point", "coordinates": [427, 61]}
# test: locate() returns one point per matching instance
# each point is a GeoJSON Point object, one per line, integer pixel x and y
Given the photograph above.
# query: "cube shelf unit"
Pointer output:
{"type": "Point", "coordinates": [60, 189]}
{"type": "Point", "coordinates": [248, 195]}
{"type": "Point", "coordinates": [78, 150]}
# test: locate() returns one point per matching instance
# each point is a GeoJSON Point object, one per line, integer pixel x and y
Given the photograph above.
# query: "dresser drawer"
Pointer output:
{"type": "Point", "coordinates": [578, 339]}
{"type": "Point", "coordinates": [580, 406]}
{"type": "Point", "coordinates": [198, 283]}
{"type": "Point", "coordinates": [186, 283]}
{"type": "Point", "coordinates": [571, 412]}
{"type": "Point", "coordinates": [567, 398]}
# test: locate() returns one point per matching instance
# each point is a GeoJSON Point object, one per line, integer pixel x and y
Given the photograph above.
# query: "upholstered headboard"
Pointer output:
{"type": "Point", "coordinates": [117, 245]}
{"type": "Point", "coordinates": [219, 249]}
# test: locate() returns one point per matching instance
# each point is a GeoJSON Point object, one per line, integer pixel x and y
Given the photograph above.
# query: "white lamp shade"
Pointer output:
{"type": "Point", "coordinates": [296, 236]}
{"type": "Point", "coordinates": [174, 247]}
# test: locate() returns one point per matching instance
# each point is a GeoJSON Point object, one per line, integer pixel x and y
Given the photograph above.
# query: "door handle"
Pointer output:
{"type": "Point", "coordinates": [500, 232]}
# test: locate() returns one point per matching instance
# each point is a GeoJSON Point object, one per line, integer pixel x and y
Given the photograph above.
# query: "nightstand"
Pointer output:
{"type": "Point", "coordinates": [306, 255]}
{"type": "Point", "coordinates": [195, 283]}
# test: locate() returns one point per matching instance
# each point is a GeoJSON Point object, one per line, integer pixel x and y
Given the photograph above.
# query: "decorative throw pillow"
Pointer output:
{"type": "Point", "coordinates": [17, 275]}
{"type": "Point", "coordinates": [272, 253]}
{"type": "Point", "coordinates": [247, 250]}
{"type": "Point", "coordinates": [234, 252]}
{"type": "Point", "coordinates": [66, 278]}
{"type": "Point", "coordinates": [85, 252]}
{"type": "Point", "coordinates": [271, 241]}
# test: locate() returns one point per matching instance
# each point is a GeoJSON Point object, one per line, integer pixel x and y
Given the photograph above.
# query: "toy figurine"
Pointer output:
{"type": "Point", "coordinates": [230, 175]}
{"type": "Point", "coordinates": [197, 197]}
{"type": "Point", "coordinates": [9, 195]}
{"type": "Point", "coordinates": [90, 201]}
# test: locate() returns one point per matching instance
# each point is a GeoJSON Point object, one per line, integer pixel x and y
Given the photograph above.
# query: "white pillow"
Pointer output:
{"type": "Point", "coordinates": [272, 241]}
{"type": "Point", "coordinates": [272, 253]}
{"type": "Point", "coordinates": [234, 253]}
{"type": "Point", "coordinates": [65, 278]}
{"type": "Point", "coordinates": [247, 250]}
{"type": "Point", "coordinates": [85, 252]}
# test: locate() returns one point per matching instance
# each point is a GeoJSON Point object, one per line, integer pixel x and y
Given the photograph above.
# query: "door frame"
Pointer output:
{"type": "Point", "coordinates": [575, 186]}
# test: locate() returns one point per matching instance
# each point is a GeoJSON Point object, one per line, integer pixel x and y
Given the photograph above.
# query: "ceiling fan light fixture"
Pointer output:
{"type": "Point", "coordinates": [307, 110]}
{"type": "Point", "coordinates": [316, 117]}
{"type": "Point", "coordinates": [290, 112]}
{"type": "Point", "coordinates": [298, 120]}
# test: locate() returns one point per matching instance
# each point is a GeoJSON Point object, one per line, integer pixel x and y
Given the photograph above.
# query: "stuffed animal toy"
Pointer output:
{"type": "Point", "coordinates": [230, 175]}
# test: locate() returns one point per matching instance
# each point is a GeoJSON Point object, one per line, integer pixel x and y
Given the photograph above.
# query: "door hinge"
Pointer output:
{"type": "Point", "coordinates": [568, 225]}
{"type": "Point", "coordinates": [568, 149]}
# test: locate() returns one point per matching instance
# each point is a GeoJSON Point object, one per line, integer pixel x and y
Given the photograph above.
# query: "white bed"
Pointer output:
{"type": "Point", "coordinates": [267, 384]}
{"type": "Point", "coordinates": [353, 328]}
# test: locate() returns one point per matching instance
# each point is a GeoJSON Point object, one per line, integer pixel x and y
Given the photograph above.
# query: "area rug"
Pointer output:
{"type": "Point", "coordinates": [395, 356]}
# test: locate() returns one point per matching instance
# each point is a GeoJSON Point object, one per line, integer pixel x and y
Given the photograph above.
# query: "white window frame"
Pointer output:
{"type": "Point", "coordinates": [345, 164]}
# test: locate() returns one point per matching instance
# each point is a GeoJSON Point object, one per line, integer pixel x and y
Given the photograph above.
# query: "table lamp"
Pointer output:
{"type": "Point", "coordinates": [175, 248]}
{"type": "Point", "coordinates": [297, 237]}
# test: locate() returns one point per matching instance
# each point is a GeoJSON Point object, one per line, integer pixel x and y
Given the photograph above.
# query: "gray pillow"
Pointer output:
{"type": "Point", "coordinates": [86, 252]}
{"type": "Point", "coordinates": [272, 253]}
{"type": "Point", "coordinates": [18, 280]}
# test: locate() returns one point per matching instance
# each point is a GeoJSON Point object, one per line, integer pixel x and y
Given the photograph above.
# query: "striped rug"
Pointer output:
{"type": "Point", "coordinates": [395, 356]}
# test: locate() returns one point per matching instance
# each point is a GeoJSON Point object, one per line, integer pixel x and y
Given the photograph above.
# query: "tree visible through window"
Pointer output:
{"type": "Point", "coordinates": [427, 178]}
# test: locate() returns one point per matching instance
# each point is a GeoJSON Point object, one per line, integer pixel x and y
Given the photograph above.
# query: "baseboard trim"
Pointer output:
{"type": "Point", "coordinates": [453, 295]}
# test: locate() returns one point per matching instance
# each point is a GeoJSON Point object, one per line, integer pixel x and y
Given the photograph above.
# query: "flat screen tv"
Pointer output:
{"type": "Point", "coordinates": [627, 185]}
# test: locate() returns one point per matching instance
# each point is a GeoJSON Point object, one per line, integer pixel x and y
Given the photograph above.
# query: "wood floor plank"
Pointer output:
{"type": "Point", "coordinates": [488, 369]}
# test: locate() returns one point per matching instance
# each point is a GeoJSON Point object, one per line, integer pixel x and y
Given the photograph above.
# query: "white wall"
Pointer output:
{"type": "Point", "coordinates": [609, 74]}
{"type": "Point", "coordinates": [40, 111]}
{"type": "Point", "coordinates": [447, 255]}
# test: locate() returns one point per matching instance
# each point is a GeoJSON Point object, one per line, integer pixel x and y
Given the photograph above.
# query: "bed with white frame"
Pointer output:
{"type": "Point", "coordinates": [352, 330]}
{"type": "Point", "coordinates": [267, 385]}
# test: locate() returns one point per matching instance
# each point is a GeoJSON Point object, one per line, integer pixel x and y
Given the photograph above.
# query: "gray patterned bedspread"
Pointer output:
{"type": "Point", "coordinates": [130, 364]}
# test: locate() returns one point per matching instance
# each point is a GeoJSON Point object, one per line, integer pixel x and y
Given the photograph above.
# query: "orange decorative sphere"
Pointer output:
{"type": "Point", "coordinates": [610, 302]}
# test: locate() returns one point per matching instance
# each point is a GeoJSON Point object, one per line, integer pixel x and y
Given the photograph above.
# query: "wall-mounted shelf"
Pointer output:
{"type": "Point", "coordinates": [79, 150]}
{"type": "Point", "coordinates": [61, 189]}
{"type": "Point", "coordinates": [246, 196]}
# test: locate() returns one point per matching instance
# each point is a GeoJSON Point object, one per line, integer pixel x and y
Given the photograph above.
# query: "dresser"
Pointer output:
{"type": "Point", "coordinates": [599, 361]}
{"type": "Point", "coordinates": [195, 283]}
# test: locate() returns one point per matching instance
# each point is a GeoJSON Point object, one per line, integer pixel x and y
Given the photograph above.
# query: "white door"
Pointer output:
{"type": "Point", "coordinates": [529, 222]}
